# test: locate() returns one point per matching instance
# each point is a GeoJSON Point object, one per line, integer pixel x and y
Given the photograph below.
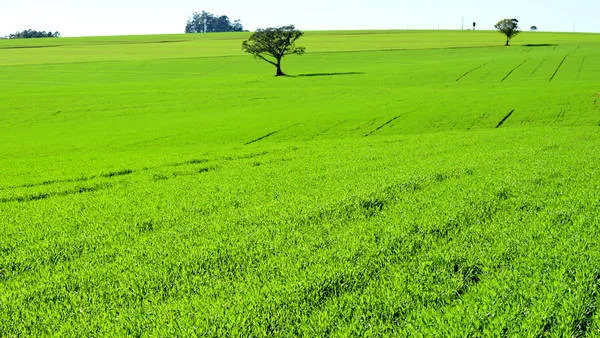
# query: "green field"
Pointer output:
{"type": "Point", "coordinates": [171, 186]}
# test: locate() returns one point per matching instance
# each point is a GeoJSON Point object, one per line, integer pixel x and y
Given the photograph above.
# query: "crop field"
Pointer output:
{"type": "Point", "coordinates": [397, 183]}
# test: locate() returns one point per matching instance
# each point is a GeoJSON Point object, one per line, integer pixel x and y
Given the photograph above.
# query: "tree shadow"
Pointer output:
{"type": "Point", "coordinates": [540, 45]}
{"type": "Point", "coordinates": [327, 74]}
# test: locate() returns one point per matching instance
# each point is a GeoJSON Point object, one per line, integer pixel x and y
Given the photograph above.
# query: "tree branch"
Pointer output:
{"type": "Point", "coordinates": [265, 59]}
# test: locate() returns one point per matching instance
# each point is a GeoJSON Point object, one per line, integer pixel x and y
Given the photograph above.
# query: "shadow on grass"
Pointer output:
{"type": "Point", "coordinates": [540, 45]}
{"type": "Point", "coordinates": [327, 74]}
{"type": "Point", "coordinates": [30, 47]}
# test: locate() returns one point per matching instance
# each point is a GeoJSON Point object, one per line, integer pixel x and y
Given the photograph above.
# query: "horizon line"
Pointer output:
{"type": "Point", "coordinates": [308, 31]}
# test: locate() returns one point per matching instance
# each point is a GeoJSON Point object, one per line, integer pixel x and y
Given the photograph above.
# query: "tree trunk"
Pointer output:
{"type": "Point", "coordinates": [507, 41]}
{"type": "Point", "coordinates": [279, 71]}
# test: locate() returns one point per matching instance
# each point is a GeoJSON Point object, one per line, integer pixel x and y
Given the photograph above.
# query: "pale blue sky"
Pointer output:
{"type": "Point", "coordinates": [118, 17]}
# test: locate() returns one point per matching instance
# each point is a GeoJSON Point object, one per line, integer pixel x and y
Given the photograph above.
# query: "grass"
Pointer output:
{"type": "Point", "coordinates": [399, 183]}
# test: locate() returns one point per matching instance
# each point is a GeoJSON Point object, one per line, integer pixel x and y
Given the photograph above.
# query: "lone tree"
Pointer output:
{"type": "Point", "coordinates": [272, 44]}
{"type": "Point", "coordinates": [508, 27]}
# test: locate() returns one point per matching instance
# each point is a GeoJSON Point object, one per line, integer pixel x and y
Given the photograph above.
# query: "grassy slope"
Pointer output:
{"type": "Point", "coordinates": [131, 203]}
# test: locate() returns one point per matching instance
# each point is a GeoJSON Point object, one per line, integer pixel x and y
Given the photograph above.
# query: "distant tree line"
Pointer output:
{"type": "Point", "coordinates": [206, 22]}
{"type": "Point", "coordinates": [32, 34]}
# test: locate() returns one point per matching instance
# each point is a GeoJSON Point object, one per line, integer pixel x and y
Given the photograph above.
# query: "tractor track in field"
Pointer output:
{"type": "Point", "coordinates": [560, 116]}
{"type": "Point", "coordinates": [382, 126]}
{"type": "Point", "coordinates": [374, 204]}
{"type": "Point", "coordinates": [505, 118]}
{"type": "Point", "coordinates": [324, 131]}
{"type": "Point", "coordinates": [42, 196]}
{"type": "Point", "coordinates": [470, 71]}
{"type": "Point", "coordinates": [109, 174]}
{"type": "Point", "coordinates": [580, 69]}
{"type": "Point", "coordinates": [512, 70]}
{"type": "Point", "coordinates": [262, 137]}
{"type": "Point", "coordinates": [538, 67]}
{"type": "Point", "coordinates": [125, 172]}
{"type": "Point", "coordinates": [562, 62]}
{"type": "Point", "coordinates": [597, 104]}
{"type": "Point", "coordinates": [558, 68]}
{"type": "Point", "coordinates": [270, 134]}
{"type": "Point", "coordinates": [162, 177]}
{"type": "Point", "coordinates": [50, 182]}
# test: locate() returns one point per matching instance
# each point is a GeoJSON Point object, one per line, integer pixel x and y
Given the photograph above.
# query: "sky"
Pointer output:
{"type": "Point", "coordinates": [129, 17]}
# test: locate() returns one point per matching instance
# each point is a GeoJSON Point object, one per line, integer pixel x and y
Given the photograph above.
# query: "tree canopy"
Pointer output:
{"type": "Point", "coordinates": [508, 27]}
{"type": "Point", "coordinates": [272, 44]}
{"type": "Point", "coordinates": [31, 34]}
{"type": "Point", "coordinates": [206, 22]}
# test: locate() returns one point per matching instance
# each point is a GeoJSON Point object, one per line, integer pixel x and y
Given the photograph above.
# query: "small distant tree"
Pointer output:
{"type": "Point", "coordinates": [272, 44]}
{"type": "Point", "coordinates": [508, 27]}
{"type": "Point", "coordinates": [533, 28]}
